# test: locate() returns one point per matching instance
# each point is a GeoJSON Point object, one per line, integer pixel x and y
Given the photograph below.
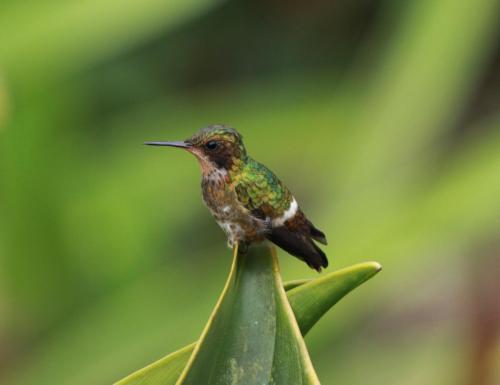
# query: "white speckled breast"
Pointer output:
{"type": "Point", "coordinates": [238, 224]}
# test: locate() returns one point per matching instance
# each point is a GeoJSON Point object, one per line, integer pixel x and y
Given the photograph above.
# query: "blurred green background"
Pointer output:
{"type": "Point", "coordinates": [383, 118]}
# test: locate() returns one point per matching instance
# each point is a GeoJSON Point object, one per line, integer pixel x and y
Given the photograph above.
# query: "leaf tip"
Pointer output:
{"type": "Point", "coordinates": [372, 266]}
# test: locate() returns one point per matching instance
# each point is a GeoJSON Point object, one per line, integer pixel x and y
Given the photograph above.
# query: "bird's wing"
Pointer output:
{"type": "Point", "coordinates": [267, 198]}
{"type": "Point", "coordinates": [261, 192]}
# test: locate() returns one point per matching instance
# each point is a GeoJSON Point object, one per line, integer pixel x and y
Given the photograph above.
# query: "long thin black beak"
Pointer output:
{"type": "Point", "coordinates": [180, 144]}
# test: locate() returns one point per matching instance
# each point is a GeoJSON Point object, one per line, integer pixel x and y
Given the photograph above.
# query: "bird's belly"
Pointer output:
{"type": "Point", "coordinates": [240, 227]}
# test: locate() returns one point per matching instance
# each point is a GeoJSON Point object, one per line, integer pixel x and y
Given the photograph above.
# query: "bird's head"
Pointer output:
{"type": "Point", "coordinates": [216, 147]}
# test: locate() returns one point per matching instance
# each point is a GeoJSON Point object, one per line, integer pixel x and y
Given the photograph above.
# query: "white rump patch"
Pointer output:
{"type": "Point", "coordinates": [289, 213]}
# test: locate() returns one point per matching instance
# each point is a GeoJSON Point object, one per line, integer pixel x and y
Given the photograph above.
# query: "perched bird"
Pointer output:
{"type": "Point", "coordinates": [247, 200]}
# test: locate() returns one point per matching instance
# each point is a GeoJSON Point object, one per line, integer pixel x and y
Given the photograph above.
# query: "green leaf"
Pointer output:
{"type": "Point", "coordinates": [309, 299]}
{"type": "Point", "coordinates": [252, 336]}
{"type": "Point", "coordinates": [313, 299]}
{"type": "Point", "coordinates": [164, 371]}
{"type": "Point", "coordinates": [289, 285]}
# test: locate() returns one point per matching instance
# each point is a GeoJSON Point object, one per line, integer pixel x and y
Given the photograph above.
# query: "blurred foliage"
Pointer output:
{"type": "Point", "coordinates": [381, 116]}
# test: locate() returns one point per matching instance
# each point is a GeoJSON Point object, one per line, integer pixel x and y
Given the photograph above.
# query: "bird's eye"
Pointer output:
{"type": "Point", "coordinates": [211, 145]}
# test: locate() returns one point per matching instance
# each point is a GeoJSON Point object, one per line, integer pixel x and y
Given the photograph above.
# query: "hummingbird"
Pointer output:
{"type": "Point", "coordinates": [247, 200]}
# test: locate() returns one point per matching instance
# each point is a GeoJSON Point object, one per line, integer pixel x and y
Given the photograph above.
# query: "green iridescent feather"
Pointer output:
{"type": "Point", "coordinates": [259, 190]}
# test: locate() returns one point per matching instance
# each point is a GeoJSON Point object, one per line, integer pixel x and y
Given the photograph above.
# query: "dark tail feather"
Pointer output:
{"type": "Point", "coordinates": [300, 246]}
{"type": "Point", "coordinates": [317, 234]}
